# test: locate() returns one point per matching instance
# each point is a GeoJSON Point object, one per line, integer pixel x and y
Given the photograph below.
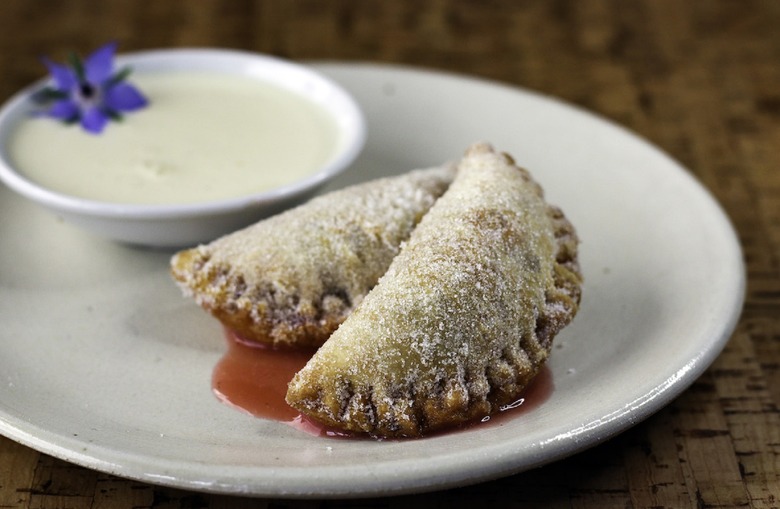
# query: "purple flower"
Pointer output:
{"type": "Point", "coordinates": [89, 92]}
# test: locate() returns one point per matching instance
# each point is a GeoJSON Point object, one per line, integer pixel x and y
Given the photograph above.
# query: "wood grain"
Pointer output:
{"type": "Point", "coordinates": [699, 79]}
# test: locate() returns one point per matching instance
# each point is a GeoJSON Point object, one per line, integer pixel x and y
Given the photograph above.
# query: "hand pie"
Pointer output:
{"type": "Point", "coordinates": [293, 278]}
{"type": "Point", "coordinates": [464, 317]}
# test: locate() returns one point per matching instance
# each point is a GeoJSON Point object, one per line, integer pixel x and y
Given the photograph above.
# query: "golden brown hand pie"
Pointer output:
{"type": "Point", "coordinates": [293, 278]}
{"type": "Point", "coordinates": [464, 317]}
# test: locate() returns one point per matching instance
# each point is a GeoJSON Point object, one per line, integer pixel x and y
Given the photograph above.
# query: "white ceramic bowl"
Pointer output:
{"type": "Point", "coordinates": [177, 225]}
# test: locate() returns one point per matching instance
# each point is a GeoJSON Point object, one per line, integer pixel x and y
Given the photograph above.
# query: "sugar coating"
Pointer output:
{"type": "Point", "coordinates": [293, 278]}
{"type": "Point", "coordinates": [463, 318]}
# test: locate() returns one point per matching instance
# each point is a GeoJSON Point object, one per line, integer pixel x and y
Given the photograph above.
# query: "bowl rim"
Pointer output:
{"type": "Point", "coordinates": [231, 61]}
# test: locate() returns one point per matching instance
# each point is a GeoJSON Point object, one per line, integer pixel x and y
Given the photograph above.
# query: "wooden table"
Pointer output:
{"type": "Point", "coordinates": [699, 79]}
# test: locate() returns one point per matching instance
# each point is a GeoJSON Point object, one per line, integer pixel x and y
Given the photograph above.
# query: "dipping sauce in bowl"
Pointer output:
{"type": "Point", "coordinates": [204, 137]}
{"type": "Point", "coordinates": [227, 138]}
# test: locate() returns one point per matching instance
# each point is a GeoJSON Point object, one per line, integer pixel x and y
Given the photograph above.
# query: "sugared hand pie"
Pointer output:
{"type": "Point", "coordinates": [463, 318]}
{"type": "Point", "coordinates": [293, 278]}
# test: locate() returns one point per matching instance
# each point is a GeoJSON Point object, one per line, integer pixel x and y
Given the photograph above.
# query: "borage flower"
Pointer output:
{"type": "Point", "coordinates": [89, 91]}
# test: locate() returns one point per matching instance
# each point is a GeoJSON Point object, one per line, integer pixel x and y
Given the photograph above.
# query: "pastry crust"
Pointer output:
{"type": "Point", "coordinates": [463, 319]}
{"type": "Point", "coordinates": [290, 280]}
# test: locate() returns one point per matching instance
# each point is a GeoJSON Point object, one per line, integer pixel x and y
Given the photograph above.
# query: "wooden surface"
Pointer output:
{"type": "Point", "coordinates": [701, 79]}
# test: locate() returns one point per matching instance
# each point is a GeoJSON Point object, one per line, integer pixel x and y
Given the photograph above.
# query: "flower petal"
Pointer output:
{"type": "Point", "coordinates": [98, 66]}
{"type": "Point", "coordinates": [64, 110]}
{"type": "Point", "coordinates": [63, 76]}
{"type": "Point", "coordinates": [124, 97]}
{"type": "Point", "coordinates": [93, 120]}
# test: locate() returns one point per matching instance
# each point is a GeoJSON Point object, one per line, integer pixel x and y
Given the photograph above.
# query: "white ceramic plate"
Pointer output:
{"type": "Point", "coordinates": [104, 364]}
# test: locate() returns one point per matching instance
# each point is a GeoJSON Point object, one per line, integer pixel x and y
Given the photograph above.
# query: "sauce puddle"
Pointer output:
{"type": "Point", "coordinates": [253, 378]}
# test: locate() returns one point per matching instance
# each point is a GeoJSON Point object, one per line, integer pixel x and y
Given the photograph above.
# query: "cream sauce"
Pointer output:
{"type": "Point", "coordinates": [202, 137]}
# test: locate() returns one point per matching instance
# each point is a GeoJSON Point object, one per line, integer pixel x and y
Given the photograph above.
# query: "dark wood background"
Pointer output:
{"type": "Point", "coordinates": [701, 79]}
